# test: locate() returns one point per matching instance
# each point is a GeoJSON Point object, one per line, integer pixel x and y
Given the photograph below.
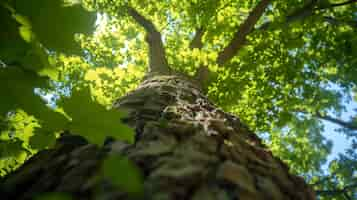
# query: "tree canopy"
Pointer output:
{"type": "Point", "coordinates": [284, 67]}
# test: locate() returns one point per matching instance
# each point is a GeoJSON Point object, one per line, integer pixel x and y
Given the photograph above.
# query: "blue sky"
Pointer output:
{"type": "Point", "coordinates": [340, 142]}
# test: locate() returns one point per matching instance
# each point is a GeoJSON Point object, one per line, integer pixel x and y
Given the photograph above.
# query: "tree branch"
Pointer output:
{"type": "Point", "coordinates": [335, 21]}
{"type": "Point", "coordinates": [202, 73]}
{"type": "Point", "coordinates": [244, 29]}
{"type": "Point", "coordinates": [196, 42]}
{"type": "Point", "coordinates": [308, 10]}
{"type": "Point", "coordinates": [347, 197]}
{"type": "Point", "coordinates": [305, 11]}
{"type": "Point", "coordinates": [336, 191]}
{"type": "Point", "coordinates": [157, 57]}
{"type": "Point", "coordinates": [323, 180]}
{"type": "Point", "coordinates": [332, 5]}
{"type": "Point", "coordinates": [349, 125]}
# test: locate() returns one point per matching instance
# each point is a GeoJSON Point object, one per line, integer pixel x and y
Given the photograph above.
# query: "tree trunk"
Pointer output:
{"type": "Point", "coordinates": [185, 146]}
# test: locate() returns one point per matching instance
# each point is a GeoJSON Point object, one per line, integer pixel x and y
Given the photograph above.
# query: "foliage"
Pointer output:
{"type": "Point", "coordinates": [29, 73]}
{"type": "Point", "coordinates": [294, 71]}
{"type": "Point", "coordinates": [53, 196]}
{"type": "Point", "coordinates": [83, 122]}
{"type": "Point", "coordinates": [116, 168]}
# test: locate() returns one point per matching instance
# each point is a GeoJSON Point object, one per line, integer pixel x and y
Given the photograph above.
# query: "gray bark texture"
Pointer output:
{"type": "Point", "coordinates": [185, 147]}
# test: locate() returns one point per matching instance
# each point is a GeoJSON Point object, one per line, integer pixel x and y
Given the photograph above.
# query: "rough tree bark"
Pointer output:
{"type": "Point", "coordinates": [185, 146]}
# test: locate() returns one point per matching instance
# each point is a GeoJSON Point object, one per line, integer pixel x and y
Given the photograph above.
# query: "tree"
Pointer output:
{"type": "Point", "coordinates": [273, 64]}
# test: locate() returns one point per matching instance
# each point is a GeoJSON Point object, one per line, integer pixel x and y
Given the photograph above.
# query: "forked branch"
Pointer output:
{"type": "Point", "coordinates": [202, 72]}
{"type": "Point", "coordinates": [244, 29]}
{"type": "Point", "coordinates": [196, 42]}
{"type": "Point", "coordinates": [157, 57]}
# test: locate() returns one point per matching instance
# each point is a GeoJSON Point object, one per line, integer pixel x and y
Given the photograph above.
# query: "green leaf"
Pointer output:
{"type": "Point", "coordinates": [123, 174]}
{"type": "Point", "coordinates": [324, 3]}
{"type": "Point", "coordinates": [17, 86]}
{"type": "Point", "coordinates": [26, 33]}
{"type": "Point", "coordinates": [22, 20]}
{"type": "Point", "coordinates": [56, 24]}
{"type": "Point", "coordinates": [12, 46]}
{"type": "Point", "coordinates": [9, 148]}
{"type": "Point", "coordinates": [42, 139]}
{"type": "Point", "coordinates": [53, 196]}
{"type": "Point", "coordinates": [295, 43]}
{"type": "Point", "coordinates": [36, 59]}
{"type": "Point", "coordinates": [19, 47]}
{"type": "Point", "coordinates": [94, 121]}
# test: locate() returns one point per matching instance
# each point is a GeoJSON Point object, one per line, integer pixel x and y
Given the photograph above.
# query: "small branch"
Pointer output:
{"type": "Point", "coordinates": [323, 180]}
{"type": "Point", "coordinates": [348, 125]}
{"type": "Point", "coordinates": [305, 11]}
{"type": "Point", "coordinates": [244, 29]}
{"type": "Point", "coordinates": [332, 5]}
{"type": "Point", "coordinates": [336, 191]}
{"type": "Point", "coordinates": [334, 21]}
{"type": "Point", "coordinates": [196, 42]}
{"type": "Point", "coordinates": [308, 10]}
{"type": "Point", "coordinates": [157, 57]}
{"type": "Point", "coordinates": [329, 192]}
{"type": "Point", "coordinates": [347, 197]}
